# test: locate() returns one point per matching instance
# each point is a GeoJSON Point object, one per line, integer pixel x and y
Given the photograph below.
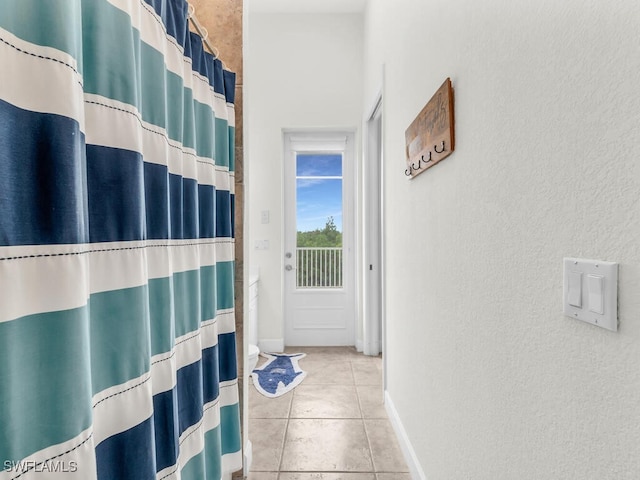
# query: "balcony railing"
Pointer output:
{"type": "Point", "coordinates": [319, 267]}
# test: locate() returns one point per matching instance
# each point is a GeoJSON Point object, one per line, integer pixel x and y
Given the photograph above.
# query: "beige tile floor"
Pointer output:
{"type": "Point", "coordinates": [333, 426]}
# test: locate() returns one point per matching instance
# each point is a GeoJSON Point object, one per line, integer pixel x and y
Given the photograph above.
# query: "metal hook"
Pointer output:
{"type": "Point", "coordinates": [414, 166]}
{"type": "Point", "coordinates": [427, 161]}
{"type": "Point", "coordinates": [441, 151]}
{"type": "Point", "coordinates": [407, 172]}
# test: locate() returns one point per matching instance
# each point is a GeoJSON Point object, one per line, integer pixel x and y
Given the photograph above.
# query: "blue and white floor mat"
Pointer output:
{"type": "Point", "coordinates": [279, 375]}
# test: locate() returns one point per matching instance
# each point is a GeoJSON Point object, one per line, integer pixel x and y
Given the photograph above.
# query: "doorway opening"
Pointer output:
{"type": "Point", "coordinates": [319, 236]}
{"type": "Point", "coordinates": [373, 276]}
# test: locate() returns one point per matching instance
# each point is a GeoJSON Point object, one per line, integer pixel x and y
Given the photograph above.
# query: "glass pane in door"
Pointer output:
{"type": "Point", "coordinates": [319, 221]}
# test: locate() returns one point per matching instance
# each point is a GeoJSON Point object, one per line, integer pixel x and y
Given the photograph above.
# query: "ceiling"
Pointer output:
{"type": "Point", "coordinates": [305, 6]}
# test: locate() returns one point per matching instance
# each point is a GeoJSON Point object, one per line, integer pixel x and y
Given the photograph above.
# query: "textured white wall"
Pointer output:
{"type": "Point", "coordinates": [302, 71]}
{"type": "Point", "coordinates": [489, 379]}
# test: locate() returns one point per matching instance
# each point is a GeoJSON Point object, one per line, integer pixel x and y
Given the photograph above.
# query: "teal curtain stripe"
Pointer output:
{"type": "Point", "coordinates": [232, 150]}
{"type": "Point", "coordinates": [175, 105]}
{"type": "Point", "coordinates": [222, 143]}
{"type": "Point", "coordinates": [213, 454]}
{"type": "Point", "coordinates": [162, 94]}
{"type": "Point", "coordinates": [120, 337]}
{"type": "Point", "coordinates": [187, 298]}
{"type": "Point", "coordinates": [50, 23]}
{"type": "Point", "coordinates": [161, 311]}
{"type": "Point", "coordinates": [194, 469]}
{"type": "Point", "coordinates": [208, 293]}
{"type": "Point", "coordinates": [230, 429]}
{"type": "Point", "coordinates": [112, 55]}
{"type": "Point", "coordinates": [205, 133]}
{"type": "Point", "coordinates": [224, 285]}
{"type": "Point", "coordinates": [188, 120]}
{"type": "Point", "coordinates": [141, 79]}
{"type": "Point", "coordinates": [154, 88]}
{"type": "Point", "coordinates": [179, 303]}
{"type": "Point", "coordinates": [45, 390]}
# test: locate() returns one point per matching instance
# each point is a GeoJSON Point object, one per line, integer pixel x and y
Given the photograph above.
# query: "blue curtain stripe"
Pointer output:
{"type": "Point", "coordinates": [165, 421]}
{"type": "Point", "coordinates": [211, 372]}
{"type": "Point", "coordinates": [156, 201]}
{"type": "Point", "coordinates": [126, 456]}
{"type": "Point", "coordinates": [41, 186]}
{"type": "Point", "coordinates": [116, 194]}
{"type": "Point", "coordinates": [174, 18]}
{"type": "Point", "coordinates": [118, 347]}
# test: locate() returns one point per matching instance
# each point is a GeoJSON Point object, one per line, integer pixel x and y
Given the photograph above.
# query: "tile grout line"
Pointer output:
{"type": "Point", "coordinates": [364, 425]}
{"type": "Point", "coordinates": [355, 386]}
{"type": "Point", "coordinates": [286, 432]}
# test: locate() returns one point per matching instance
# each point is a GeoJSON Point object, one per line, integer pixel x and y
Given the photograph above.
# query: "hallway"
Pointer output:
{"type": "Point", "coordinates": [333, 426]}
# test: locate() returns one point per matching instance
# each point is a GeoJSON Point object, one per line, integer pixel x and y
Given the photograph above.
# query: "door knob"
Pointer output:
{"type": "Point", "coordinates": [288, 268]}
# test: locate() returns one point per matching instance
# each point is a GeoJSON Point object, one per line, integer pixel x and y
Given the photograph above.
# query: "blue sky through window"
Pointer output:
{"type": "Point", "coordinates": [318, 198]}
{"type": "Point", "coordinates": [311, 165]}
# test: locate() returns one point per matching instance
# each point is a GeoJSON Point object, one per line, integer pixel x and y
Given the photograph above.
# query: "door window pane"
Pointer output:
{"type": "Point", "coordinates": [319, 221]}
{"type": "Point", "coordinates": [318, 165]}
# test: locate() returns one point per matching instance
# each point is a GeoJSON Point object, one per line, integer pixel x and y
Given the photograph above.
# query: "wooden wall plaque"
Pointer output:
{"type": "Point", "coordinates": [430, 137]}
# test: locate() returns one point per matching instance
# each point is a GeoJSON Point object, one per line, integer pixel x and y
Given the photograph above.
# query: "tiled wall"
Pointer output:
{"type": "Point", "coordinates": [223, 20]}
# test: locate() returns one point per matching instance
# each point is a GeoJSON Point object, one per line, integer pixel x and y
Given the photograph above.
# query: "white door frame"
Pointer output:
{"type": "Point", "coordinates": [320, 141]}
{"type": "Point", "coordinates": [373, 275]}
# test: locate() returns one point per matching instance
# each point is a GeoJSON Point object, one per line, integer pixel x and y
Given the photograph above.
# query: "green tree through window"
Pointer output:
{"type": "Point", "coordinates": [329, 236]}
{"type": "Point", "coordinates": [319, 257]}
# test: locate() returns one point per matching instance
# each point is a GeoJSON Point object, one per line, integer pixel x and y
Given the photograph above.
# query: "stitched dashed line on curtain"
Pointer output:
{"type": "Point", "coordinates": [174, 470]}
{"type": "Point", "coordinates": [36, 465]}
{"type": "Point", "coordinates": [6, 42]}
{"type": "Point", "coordinates": [173, 354]}
{"type": "Point", "coordinates": [123, 391]}
{"type": "Point", "coordinates": [196, 427]}
{"type": "Point", "coordinates": [68, 254]}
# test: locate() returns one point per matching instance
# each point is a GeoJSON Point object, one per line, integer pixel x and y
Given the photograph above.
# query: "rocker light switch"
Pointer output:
{"type": "Point", "coordinates": [596, 293]}
{"type": "Point", "coordinates": [574, 296]}
{"type": "Point", "coordinates": [590, 292]}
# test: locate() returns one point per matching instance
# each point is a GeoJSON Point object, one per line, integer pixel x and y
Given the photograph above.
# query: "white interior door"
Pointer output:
{"type": "Point", "coordinates": [319, 293]}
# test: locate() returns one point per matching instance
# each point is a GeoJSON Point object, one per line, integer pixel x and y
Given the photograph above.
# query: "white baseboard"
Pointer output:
{"type": "Point", "coordinates": [403, 439]}
{"type": "Point", "coordinates": [248, 457]}
{"type": "Point", "coordinates": [372, 348]}
{"type": "Point", "coordinates": [273, 345]}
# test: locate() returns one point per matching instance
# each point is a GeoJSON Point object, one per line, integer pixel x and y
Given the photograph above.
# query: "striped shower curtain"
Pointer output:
{"type": "Point", "coordinates": [117, 340]}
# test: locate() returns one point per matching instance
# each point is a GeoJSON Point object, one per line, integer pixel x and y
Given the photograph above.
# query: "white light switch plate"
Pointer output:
{"type": "Point", "coordinates": [597, 290]}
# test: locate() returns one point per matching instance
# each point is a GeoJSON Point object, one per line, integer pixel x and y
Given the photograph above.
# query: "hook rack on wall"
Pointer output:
{"type": "Point", "coordinates": [422, 161]}
{"type": "Point", "coordinates": [430, 137]}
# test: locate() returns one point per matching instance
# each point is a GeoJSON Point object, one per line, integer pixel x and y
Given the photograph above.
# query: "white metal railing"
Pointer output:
{"type": "Point", "coordinates": [319, 267]}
